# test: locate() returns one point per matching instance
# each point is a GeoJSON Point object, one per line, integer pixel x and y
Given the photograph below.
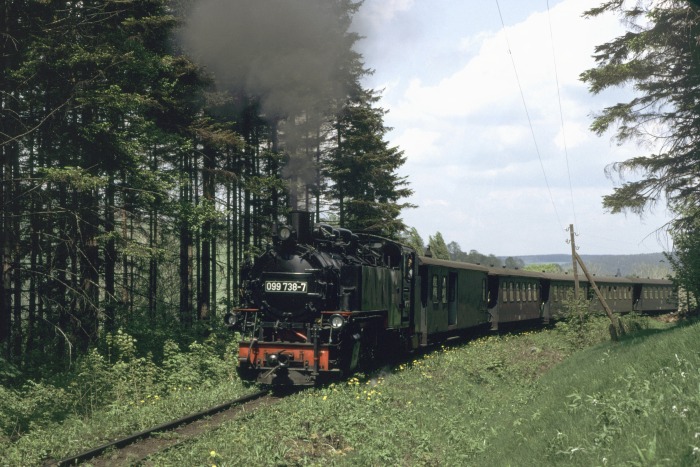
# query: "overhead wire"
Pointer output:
{"type": "Point", "coordinates": [527, 113]}
{"type": "Point", "coordinates": [561, 114]}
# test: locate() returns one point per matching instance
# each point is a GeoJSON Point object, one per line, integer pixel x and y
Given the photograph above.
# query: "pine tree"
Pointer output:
{"type": "Point", "coordinates": [685, 258]}
{"type": "Point", "coordinates": [412, 238]}
{"type": "Point", "coordinates": [438, 248]}
{"type": "Point", "coordinates": [660, 56]}
{"type": "Point", "coordinates": [363, 171]}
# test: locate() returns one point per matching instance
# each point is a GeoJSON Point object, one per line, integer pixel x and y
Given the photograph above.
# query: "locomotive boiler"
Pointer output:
{"type": "Point", "coordinates": [321, 302]}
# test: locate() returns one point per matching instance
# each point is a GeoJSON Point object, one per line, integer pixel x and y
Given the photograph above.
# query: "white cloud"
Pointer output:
{"type": "Point", "coordinates": [379, 13]}
{"type": "Point", "coordinates": [471, 159]}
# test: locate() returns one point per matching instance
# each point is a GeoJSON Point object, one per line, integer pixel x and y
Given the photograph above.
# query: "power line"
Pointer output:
{"type": "Point", "coordinates": [561, 114]}
{"type": "Point", "coordinates": [529, 120]}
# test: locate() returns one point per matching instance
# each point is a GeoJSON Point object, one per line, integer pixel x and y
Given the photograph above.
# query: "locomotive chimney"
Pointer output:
{"type": "Point", "coordinates": [301, 223]}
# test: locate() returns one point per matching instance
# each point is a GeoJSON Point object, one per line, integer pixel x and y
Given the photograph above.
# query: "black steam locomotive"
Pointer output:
{"type": "Point", "coordinates": [322, 302]}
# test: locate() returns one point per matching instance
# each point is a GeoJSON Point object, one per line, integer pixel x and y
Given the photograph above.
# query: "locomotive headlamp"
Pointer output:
{"type": "Point", "coordinates": [231, 319]}
{"type": "Point", "coordinates": [337, 321]}
{"type": "Point", "coordinates": [285, 233]}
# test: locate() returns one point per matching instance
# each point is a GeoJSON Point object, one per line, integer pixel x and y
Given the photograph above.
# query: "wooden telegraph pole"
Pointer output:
{"type": "Point", "coordinates": [616, 328]}
{"type": "Point", "coordinates": [573, 260]}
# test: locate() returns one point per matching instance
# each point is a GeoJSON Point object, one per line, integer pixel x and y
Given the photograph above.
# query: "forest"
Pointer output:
{"type": "Point", "coordinates": [148, 146]}
{"type": "Point", "coordinates": [143, 163]}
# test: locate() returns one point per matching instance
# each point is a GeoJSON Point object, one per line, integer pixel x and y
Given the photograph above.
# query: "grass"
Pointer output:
{"type": "Point", "coordinates": [473, 404]}
{"type": "Point", "coordinates": [532, 398]}
{"type": "Point", "coordinates": [632, 403]}
{"type": "Point", "coordinates": [103, 399]}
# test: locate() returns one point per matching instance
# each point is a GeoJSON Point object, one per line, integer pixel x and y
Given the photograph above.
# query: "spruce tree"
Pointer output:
{"type": "Point", "coordinates": [364, 171]}
{"type": "Point", "coordinates": [660, 56]}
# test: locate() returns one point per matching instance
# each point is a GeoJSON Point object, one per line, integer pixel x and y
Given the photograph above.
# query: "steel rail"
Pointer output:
{"type": "Point", "coordinates": [120, 443]}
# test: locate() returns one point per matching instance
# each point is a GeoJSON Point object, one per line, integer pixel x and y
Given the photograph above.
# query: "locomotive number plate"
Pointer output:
{"type": "Point", "coordinates": [285, 286]}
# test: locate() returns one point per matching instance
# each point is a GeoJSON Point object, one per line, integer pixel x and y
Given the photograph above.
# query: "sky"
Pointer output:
{"type": "Point", "coordinates": [484, 174]}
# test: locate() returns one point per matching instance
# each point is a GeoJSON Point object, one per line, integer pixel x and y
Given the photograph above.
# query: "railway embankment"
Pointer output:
{"type": "Point", "coordinates": [561, 396]}
{"type": "Point", "coordinates": [565, 395]}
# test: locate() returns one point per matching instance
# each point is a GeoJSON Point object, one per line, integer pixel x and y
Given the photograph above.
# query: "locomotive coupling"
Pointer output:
{"type": "Point", "coordinates": [278, 360]}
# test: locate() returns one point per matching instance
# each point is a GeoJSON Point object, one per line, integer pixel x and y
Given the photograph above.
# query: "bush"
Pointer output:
{"type": "Point", "coordinates": [33, 404]}
{"type": "Point", "coordinates": [577, 323]}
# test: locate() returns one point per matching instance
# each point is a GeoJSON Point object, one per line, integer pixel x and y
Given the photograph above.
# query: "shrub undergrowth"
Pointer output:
{"type": "Point", "coordinates": [113, 390]}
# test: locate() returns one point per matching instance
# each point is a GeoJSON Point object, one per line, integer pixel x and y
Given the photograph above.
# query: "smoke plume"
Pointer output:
{"type": "Point", "coordinates": [286, 52]}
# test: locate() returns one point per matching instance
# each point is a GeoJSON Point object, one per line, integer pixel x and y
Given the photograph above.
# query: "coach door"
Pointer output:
{"type": "Point", "coordinates": [408, 273]}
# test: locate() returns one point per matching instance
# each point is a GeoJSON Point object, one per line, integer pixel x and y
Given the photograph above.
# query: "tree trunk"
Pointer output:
{"type": "Point", "coordinates": [110, 258]}
{"type": "Point", "coordinates": [185, 246]}
{"type": "Point", "coordinates": [204, 301]}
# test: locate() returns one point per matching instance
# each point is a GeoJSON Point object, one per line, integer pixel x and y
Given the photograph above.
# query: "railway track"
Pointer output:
{"type": "Point", "coordinates": [122, 443]}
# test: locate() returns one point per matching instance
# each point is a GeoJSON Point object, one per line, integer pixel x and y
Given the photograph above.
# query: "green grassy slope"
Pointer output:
{"type": "Point", "coordinates": [636, 402]}
{"type": "Point", "coordinates": [526, 399]}
{"type": "Point", "coordinates": [522, 400]}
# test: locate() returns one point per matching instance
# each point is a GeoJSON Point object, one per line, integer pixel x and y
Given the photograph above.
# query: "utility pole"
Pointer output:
{"type": "Point", "coordinates": [616, 328]}
{"type": "Point", "coordinates": [573, 260]}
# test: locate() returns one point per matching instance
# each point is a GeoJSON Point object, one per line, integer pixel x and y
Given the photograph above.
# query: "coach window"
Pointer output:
{"type": "Point", "coordinates": [436, 298]}
{"type": "Point", "coordinates": [511, 293]}
{"type": "Point", "coordinates": [505, 292]}
{"type": "Point", "coordinates": [444, 290]}
{"type": "Point", "coordinates": [646, 292]}
{"type": "Point", "coordinates": [517, 291]}
{"type": "Point", "coordinates": [484, 291]}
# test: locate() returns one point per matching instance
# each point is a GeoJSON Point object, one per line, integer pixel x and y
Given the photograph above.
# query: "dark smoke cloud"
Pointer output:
{"type": "Point", "coordinates": [286, 52]}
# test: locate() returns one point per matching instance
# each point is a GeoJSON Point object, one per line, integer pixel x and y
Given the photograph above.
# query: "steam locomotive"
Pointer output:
{"type": "Point", "coordinates": [323, 302]}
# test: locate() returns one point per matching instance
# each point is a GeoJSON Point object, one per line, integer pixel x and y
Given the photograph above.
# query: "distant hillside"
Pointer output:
{"type": "Point", "coordinates": [652, 265]}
